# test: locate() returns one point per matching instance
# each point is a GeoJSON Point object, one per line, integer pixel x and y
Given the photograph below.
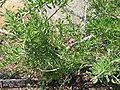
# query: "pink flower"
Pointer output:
{"type": "Point", "coordinates": [71, 42]}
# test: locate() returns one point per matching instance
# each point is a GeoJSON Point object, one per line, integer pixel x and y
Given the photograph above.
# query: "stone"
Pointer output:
{"type": "Point", "coordinates": [75, 9]}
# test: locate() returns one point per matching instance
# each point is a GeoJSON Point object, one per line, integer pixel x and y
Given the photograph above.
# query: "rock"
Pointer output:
{"type": "Point", "coordinates": [74, 8]}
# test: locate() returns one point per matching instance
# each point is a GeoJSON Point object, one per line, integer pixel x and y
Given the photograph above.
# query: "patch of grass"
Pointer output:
{"type": "Point", "coordinates": [56, 49]}
{"type": "Point", "coordinates": [106, 31]}
{"type": "Point", "coordinates": [109, 7]}
{"type": "Point", "coordinates": [105, 70]}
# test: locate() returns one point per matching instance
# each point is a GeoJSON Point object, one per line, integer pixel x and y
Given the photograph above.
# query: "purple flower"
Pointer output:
{"type": "Point", "coordinates": [71, 42]}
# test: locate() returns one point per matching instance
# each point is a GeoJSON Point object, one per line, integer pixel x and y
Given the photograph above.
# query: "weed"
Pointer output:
{"type": "Point", "coordinates": [56, 49]}
{"type": "Point", "coordinates": [104, 70]}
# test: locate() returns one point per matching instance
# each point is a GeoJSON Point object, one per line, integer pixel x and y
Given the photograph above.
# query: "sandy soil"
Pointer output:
{"type": "Point", "coordinates": [12, 5]}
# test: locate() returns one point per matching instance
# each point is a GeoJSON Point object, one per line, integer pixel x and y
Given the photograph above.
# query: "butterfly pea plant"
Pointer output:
{"type": "Point", "coordinates": [38, 43]}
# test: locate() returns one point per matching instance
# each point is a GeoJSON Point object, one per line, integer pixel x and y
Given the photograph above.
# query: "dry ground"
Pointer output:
{"type": "Point", "coordinates": [12, 5]}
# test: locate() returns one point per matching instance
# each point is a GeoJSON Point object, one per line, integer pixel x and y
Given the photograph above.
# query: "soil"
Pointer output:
{"type": "Point", "coordinates": [12, 5]}
{"type": "Point", "coordinates": [78, 81]}
{"type": "Point", "coordinates": [82, 81]}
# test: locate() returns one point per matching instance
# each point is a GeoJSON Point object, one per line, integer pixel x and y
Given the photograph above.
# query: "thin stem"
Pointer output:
{"type": "Point", "coordinates": [54, 13]}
